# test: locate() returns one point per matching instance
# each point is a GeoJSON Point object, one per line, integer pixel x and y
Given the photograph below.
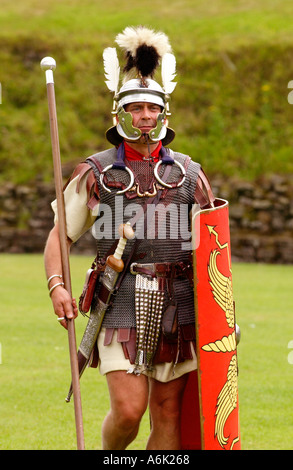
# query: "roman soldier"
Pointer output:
{"type": "Point", "coordinates": [141, 328]}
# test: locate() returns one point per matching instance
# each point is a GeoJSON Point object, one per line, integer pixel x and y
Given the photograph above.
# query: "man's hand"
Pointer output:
{"type": "Point", "coordinates": [64, 306]}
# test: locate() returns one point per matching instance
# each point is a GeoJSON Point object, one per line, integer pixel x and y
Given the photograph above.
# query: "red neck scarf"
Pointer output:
{"type": "Point", "coordinates": [132, 154]}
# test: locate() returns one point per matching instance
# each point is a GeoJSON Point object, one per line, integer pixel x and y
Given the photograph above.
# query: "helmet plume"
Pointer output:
{"type": "Point", "coordinates": [144, 49]}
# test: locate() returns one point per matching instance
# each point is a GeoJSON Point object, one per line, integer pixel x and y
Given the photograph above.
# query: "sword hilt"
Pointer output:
{"type": "Point", "coordinates": [114, 261]}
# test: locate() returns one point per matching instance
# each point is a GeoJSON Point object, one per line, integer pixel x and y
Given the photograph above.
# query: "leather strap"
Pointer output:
{"type": "Point", "coordinates": [203, 191]}
{"type": "Point", "coordinates": [165, 269]}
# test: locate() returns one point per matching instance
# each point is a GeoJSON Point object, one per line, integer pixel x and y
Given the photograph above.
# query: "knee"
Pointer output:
{"type": "Point", "coordinates": [165, 411]}
{"type": "Point", "coordinates": [129, 415]}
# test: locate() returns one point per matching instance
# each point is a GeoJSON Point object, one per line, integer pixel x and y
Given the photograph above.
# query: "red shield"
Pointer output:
{"type": "Point", "coordinates": [210, 418]}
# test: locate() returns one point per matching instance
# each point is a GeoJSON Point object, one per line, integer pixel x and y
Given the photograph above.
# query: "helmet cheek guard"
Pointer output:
{"type": "Point", "coordinates": [125, 126]}
{"type": "Point", "coordinates": [127, 131]}
{"type": "Point", "coordinates": [160, 131]}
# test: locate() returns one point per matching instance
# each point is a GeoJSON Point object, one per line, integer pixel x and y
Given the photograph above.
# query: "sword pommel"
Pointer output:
{"type": "Point", "coordinates": [126, 231]}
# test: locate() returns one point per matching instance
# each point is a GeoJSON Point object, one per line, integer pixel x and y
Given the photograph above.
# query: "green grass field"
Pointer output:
{"type": "Point", "coordinates": [35, 374]}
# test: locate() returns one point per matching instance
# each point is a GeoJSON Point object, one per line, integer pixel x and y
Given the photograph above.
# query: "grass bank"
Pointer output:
{"type": "Point", "coordinates": [229, 109]}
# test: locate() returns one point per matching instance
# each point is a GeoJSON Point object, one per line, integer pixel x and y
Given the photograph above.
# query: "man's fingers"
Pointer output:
{"type": "Point", "coordinates": [68, 309]}
{"type": "Point", "coordinates": [64, 306]}
{"type": "Point", "coordinates": [75, 308]}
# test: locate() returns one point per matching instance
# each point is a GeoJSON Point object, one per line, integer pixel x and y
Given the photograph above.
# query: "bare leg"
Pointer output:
{"type": "Point", "coordinates": [165, 409]}
{"type": "Point", "coordinates": [129, 399]}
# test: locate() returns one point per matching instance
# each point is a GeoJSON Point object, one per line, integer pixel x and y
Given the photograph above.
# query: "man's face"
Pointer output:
{"type": "Point", "coordinates": [144, 115]}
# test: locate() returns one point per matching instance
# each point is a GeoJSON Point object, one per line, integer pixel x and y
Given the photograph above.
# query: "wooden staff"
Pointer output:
{"type": "Point", "coordinates": [48, 64]}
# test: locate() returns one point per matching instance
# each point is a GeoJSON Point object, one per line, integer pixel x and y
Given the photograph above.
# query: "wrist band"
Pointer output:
{"type": "Point", "coordinates": [55, 285]}
{"type": "Point", "coordinates": [54, 275]}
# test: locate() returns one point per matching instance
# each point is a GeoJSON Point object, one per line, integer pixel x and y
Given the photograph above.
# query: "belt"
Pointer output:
{"type": "Point", "coordinates": [166, 270]}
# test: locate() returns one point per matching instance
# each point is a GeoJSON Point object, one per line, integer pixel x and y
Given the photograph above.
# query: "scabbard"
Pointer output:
{"type": "Point", "coordinates": [95, 322]}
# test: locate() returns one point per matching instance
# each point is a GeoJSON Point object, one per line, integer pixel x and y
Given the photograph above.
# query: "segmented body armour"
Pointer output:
{"type": "Point", "coordinates": [168, 235]}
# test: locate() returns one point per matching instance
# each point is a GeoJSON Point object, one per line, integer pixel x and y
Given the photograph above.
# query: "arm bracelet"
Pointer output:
{"type": "Point", "coordinates": [55, 285]}
{"type": "Point", "coordinates": [54, 275]}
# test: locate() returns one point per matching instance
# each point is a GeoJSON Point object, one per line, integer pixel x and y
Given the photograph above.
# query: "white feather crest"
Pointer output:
{"type": "Point", "coordinates": [168, 71]}
{"type": "Point", "coordinates": [131, 38]}
{"type": "Point", "coordinates": [112, 68]}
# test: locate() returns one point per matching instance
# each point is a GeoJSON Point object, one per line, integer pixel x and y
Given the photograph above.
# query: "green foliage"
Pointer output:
{"type": "Point", "coordinates": [229, 109]}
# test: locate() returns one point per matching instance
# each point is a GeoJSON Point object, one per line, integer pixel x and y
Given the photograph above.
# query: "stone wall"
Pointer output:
{"type": "Point", "coordinates": [261, 218]}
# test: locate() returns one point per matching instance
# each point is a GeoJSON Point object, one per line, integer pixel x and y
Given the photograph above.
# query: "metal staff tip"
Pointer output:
{"type": "Point", "coordinates": [48, 64]}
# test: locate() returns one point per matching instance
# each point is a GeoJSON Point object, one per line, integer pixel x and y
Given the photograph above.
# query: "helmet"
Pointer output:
{"type": "Point", "coordinates": [144, 50]}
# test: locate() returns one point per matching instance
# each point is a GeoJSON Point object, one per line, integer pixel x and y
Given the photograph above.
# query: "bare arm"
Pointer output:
{"type": "Point", "coordinates": [63, 305]}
